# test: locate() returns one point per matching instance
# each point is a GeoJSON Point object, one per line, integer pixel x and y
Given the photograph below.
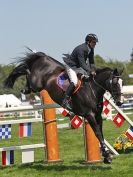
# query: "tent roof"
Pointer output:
{"type": "Point", "coordinates": [9, 100]}
{"type": "Point", "coordinates": [128, 89]}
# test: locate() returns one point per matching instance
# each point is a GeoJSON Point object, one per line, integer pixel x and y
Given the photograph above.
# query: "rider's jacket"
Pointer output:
{"type": "Point", "coordinates": [82, 56]}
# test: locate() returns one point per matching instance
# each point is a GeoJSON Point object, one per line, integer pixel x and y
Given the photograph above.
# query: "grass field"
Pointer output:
{"type": "Point", "coordinates": [71, 151]}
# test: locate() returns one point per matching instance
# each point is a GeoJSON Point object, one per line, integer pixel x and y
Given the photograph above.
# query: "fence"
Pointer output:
{"type": "Point", "coordinates": [25, 128]}
{"type": "Point", "coordinates": [49, 121]}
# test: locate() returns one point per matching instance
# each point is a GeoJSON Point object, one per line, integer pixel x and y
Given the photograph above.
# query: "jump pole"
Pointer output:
{"type": "Point", "coordinates": [50, 129]}
{"type": "Point", "coordinates": [91, 143]}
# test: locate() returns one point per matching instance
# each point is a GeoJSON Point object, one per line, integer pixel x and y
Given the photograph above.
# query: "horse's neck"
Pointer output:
{"type": "Point", "coordinates": [101, 78]}
{"type": "Point", "coordinates": [99, 85]}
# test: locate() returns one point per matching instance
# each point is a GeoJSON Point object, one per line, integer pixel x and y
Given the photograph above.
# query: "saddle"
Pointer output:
{"type": "Point", "coordinates": [63, 82]}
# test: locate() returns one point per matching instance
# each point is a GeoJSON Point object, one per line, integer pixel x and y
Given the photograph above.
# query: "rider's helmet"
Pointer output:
{"type": "Point", "coordinates": [91, 37]}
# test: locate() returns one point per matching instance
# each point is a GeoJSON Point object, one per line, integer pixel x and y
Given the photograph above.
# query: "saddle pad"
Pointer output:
{"type": "Point", "coordinates": [63, 81]}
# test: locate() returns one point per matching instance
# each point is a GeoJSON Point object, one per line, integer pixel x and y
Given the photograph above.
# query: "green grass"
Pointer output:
{"type": "Point", "coordinates": [71, 146]}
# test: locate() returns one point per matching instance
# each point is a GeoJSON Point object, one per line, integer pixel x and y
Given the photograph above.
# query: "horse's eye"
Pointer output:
{"type": "Point", "coordinates": [115, 80]}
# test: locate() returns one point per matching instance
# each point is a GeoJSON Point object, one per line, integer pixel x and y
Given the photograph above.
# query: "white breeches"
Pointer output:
{"type": "Point", "coordinates": [72, 75]}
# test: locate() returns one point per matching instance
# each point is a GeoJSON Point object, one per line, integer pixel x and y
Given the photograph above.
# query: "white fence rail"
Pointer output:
{"type": "Point", "coordinates": [119, 110]}
{"type": "Point", "coordinates": [29, 108]}
{"type": "Point", "coordinates": [23, 147]}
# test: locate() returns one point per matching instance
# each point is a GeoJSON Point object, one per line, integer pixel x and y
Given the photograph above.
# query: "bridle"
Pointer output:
{"type": "Point", "coordinates": [110, 81]}
{"type": "Point", "coordinates": [113, 81]}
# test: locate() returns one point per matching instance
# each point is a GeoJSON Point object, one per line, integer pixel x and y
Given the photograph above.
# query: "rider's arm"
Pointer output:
{"type": "Point", "coordinates": [82, 62]}
{"type": "Point", "coordinates": [91, 59]}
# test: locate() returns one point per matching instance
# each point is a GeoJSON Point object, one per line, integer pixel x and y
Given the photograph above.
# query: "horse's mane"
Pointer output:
{"type": "Point", "coordinates": [28, 59]}
{"type": "Point", "coordinates": [101, 70]}
{"type": "Point", "coordinates": [31, 57]}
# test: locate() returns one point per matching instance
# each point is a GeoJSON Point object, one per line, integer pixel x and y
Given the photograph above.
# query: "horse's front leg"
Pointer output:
{"type": "Point", "coordinates": [98, 132]}
{"type": "Point", "coordinates": [105, 152]}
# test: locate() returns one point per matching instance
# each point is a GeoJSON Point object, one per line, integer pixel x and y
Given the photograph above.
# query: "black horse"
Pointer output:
{"type": "Point", "coordinates": [42, 72]}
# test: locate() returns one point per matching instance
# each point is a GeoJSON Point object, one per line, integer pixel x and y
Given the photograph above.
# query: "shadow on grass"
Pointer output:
{"type": "Point", "coordinates": [41, 166]}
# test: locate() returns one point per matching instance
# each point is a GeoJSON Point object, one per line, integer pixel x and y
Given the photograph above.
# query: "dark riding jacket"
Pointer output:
{"type": "Point", "coordinates": [81, 57]}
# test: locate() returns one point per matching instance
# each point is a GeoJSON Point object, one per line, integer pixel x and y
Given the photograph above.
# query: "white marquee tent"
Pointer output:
{"type": "Point", "coordinates": [9, 100]}
{"type": "Point", "coordinates": [128, 89]}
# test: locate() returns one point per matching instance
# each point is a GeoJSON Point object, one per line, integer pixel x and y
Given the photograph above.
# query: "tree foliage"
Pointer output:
{"type": "Point", "coordinates": [131, 56]}
{"type": "Point", "coordinates": [127, 67]}
{"type": "Point", "coordinates": [4, 72]}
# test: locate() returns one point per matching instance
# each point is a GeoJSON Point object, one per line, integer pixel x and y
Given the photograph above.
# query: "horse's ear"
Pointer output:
{"type": "Point", "coordinates": [115, 72]}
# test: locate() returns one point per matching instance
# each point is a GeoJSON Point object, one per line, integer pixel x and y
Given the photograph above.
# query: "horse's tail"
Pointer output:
{"type": "Point", "coordinates": [18, 71]}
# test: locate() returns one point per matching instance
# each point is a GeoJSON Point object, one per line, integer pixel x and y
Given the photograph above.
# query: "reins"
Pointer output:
{"type": "Point", "coordinates": [98, 86]}
{"type": "Point", "coordinates": [112, 93]}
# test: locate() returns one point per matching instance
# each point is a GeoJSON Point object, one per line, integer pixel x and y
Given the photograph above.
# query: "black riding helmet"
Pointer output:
{"type": "Point", "coordinates": [91, 37]}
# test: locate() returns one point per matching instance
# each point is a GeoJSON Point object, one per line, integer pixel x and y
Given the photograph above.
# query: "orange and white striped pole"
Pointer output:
{"type": "Point", "coordinates": [92, 149]}
{"type": "Point", "coordinates": [50, 129]}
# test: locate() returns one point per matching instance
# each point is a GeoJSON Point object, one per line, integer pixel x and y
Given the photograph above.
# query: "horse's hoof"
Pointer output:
{"type": "Point", "coordinates": [107, 160]}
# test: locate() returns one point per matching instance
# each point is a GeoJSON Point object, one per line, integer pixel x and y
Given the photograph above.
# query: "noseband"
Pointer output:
{"type": "Point", "coordinates": [113, 81]}
{"type": "Point", "coordinates": [108, 81]}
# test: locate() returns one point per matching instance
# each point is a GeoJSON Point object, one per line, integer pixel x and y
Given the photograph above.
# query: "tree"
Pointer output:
{"type": "Point", "coordinates": [19, 84]}
{"type": "Point", "coordinates": [100, 62]}
{"type": "Point", "coordinates": [132, 55]}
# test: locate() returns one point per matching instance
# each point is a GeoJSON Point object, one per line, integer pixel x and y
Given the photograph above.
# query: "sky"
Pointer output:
{"type": "Point", "coordinates": [58, 26]}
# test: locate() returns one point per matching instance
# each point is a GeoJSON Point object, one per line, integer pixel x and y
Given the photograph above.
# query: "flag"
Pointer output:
{"type": "Point", "coordinates": [76, 121]}
{"type": "Point", "coordinates": [5, 131]}
{"type": "Point", "coordinates": [8, 157]}
{"type": "Point", "coordinates": [129, 133]}
{"type": "Point", "coordinates": [118, 120]}
{"type": "Point", "coordinates": [105, 103]}
{"type": "Point", "coordinates": [25, 129]}
{"type": "Point", "coordinates": [65, 112]}
{"type": "Point", "coordinates": [106, 110]}
{"type": "Point", "coordinates": [106, 107]}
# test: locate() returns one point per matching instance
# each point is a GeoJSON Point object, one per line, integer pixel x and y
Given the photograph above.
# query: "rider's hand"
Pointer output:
{"type": "Point", "coordinates": [93, 73]}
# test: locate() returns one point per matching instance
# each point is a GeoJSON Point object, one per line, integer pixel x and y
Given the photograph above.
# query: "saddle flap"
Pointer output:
{"type": "Point", "coordinates": [63, 82]}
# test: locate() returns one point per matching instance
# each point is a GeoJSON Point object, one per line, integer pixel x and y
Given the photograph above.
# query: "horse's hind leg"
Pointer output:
{"type": "Point", "coordinates": [97, 130]}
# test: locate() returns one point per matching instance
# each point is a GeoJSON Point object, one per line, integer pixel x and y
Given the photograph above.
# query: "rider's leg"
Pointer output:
{"type": "Point", "coordinates": [73, 82]}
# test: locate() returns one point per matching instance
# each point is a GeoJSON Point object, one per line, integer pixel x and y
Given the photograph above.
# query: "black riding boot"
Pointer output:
{"type": "Point", "coordinates": [69, 91]}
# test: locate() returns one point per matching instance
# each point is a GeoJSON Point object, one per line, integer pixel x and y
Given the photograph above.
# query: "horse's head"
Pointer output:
{"type": "Point", "coordinates": [114, 85]}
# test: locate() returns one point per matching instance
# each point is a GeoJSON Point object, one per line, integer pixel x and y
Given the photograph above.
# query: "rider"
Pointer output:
{"type": "Point", "coordinates": [81, 61]}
